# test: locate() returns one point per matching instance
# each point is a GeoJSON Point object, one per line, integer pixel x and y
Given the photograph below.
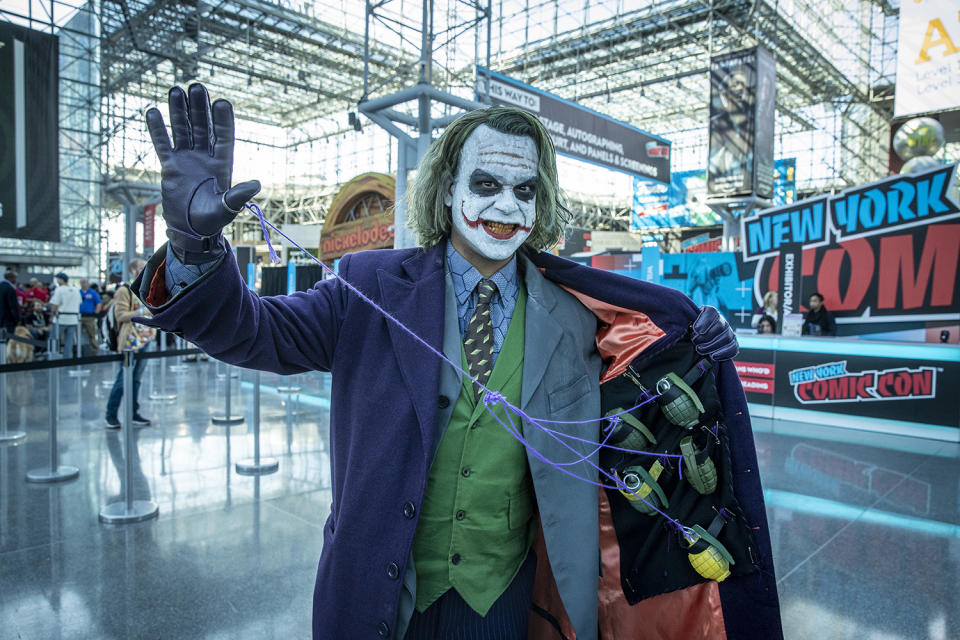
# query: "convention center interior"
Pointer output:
{"type": "Point", "coordinates": [480, 319]}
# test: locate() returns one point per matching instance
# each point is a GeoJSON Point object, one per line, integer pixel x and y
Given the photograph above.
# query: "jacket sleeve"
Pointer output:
{"type": "Point", "coordinates": [218, 313]}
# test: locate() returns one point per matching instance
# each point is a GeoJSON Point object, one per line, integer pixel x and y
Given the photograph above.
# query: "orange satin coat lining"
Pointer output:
{"type": "Point", "coordinates": [623, 336]}
{"type": "Point", "coordinates": [693, 613]}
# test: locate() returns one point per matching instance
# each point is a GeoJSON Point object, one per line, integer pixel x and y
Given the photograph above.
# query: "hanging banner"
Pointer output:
{"type": "Point", "coordinates": [742, 103]}
{"type": "Point", "coordinates": [29, 169]}
{"type": "Point", "coordinates": [582, 133]}
{"type": "Point", "coordinates": [928, 57]}
{"type": "Point", "coordinates": [149, 216]}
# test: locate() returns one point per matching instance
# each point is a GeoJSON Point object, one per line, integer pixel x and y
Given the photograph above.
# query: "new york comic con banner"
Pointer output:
{"type": "Point", "coordinates": [881, 253]}
{"type": "Point", "coordinates": [910, 390]}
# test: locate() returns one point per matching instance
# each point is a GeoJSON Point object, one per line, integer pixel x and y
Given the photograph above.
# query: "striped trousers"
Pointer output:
{"type": "Point", "coordinates": [450, 618]}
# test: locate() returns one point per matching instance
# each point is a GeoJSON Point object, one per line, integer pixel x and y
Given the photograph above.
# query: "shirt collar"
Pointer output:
{"type": "Point", "coordinates": [465, 276]}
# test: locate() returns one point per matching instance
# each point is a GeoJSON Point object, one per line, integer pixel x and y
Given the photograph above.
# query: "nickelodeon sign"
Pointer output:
{"type": "Point", "coordinates": [360, 217]}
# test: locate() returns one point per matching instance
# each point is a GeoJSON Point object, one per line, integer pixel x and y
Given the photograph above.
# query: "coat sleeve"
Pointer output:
{"type": "Point", "coordinates": [282, 334]}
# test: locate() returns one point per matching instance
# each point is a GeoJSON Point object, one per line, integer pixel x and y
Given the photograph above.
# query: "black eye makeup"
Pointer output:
{"type": "Point", "coordinates": [484, 184]}
{"type": "Point", "coordinates": [526, 191]}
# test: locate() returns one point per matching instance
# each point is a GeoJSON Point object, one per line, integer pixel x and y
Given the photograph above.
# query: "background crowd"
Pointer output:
{"type": "Point", "coordinates": [49, 314]}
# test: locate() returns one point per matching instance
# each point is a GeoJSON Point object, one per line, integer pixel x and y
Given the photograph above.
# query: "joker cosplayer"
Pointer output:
{"type": "Point", "coordinates": [443, 524]}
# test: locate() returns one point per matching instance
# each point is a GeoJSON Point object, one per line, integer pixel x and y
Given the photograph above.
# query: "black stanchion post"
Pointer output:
{"type": "Point", "coordinates": [227, 418]}
{"type": "Point", "coordinates": [56, 472]}
{"type": "Point", "coordinates": [6, 437]}
{"type": "Point", "coordinates": [257, 466]}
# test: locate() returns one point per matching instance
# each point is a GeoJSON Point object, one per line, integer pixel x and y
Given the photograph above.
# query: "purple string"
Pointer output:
{"type": "Point", "coordinates": [274, 258]}
{"type": "Point", "coordinates": [619, 484]}
{"type": "Point", "coordinates": [491, 397]}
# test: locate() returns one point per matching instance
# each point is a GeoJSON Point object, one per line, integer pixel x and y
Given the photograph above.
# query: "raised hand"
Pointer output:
{"type": "Point", "coordinates": [196, 170]}
{"type": "Point", "coordinates": [712, 335]}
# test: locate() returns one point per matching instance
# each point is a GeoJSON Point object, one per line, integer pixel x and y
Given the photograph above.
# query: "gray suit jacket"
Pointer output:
{"type": "Point", "coordinates": [561, 374]}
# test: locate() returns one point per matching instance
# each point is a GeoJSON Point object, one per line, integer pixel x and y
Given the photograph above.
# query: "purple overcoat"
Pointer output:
{"type": "Point", "coordinates": [384, 405]}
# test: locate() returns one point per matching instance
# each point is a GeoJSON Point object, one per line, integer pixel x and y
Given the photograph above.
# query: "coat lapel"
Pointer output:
{"type": "Point", "coordinates": [417, 301]}
{"type": "Point", "coordinates": [543, 332]}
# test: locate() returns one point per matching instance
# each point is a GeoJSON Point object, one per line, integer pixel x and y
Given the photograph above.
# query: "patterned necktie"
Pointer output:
{"type": "Point", "coordinates": [478, 342]}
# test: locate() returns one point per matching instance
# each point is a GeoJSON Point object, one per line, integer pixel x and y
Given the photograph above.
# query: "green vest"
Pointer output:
{"type": "Point", "coordinates": [476, 524]}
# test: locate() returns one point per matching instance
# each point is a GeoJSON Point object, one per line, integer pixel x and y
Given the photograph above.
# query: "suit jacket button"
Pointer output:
{"type": "Point", "coordinates": [443, 402]}
{"type": "Point", "coordinates": [455, 559]}
{"type": "Point", "coordinates": [383, 629]}
{"type": "Point", "coordinates": [409, 510]}
{"type": "Point", "coordinates": [393, 571]}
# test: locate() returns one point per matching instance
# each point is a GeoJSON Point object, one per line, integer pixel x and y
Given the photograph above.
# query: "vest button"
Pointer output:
{"type": "Point", "coordinates": [455, 559]}
{"type": "Point", "coordinates": [393, 571]}
{"type": "Point", "coordinates": [409, 510]}
{"type": "Point", "coordinates": [461, 514]}
{"type": "Point", "coordinates": [383, 629]}
{"type": "Point", "coordinates": [443, 402]}
{"type": "Point", "coordinates": [466, 472]}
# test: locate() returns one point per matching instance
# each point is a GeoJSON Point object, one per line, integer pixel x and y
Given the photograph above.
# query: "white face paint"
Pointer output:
{"type": "Point", "coordinates": [493, 199]}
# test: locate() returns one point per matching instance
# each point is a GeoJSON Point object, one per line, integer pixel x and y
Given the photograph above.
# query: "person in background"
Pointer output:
{"type": "Point", "coordinates": [65, 306]}
{"type": "Point", "coordinates": [767, 309]}
{"type": "Point", "coordinates": [818, 321]}
{"type": "Point", "coordinates": [132, 336]}
{"type": "Point", "coordinates": [9, 308]}
{"type": "Point", "coordinates": [766, 325]}
{"type": "Point", "coordinates": [36, 292]}
{"type": "Point", "coordinates": [36, 321]}
{"type": "Point", "coordinates": [21, 296]}
{"type": "Point", "coordinates": [89, 307]}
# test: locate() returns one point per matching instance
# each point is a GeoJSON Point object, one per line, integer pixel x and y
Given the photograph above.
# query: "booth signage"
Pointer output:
{"type": "Point", "coordinates": [876, 387]}
{"type": "Point", "coordinates": [882, 252]}
{"type": "Point", "coordinates": [582, 133]}
{"type": "Point", "coordinates": [374, 232]}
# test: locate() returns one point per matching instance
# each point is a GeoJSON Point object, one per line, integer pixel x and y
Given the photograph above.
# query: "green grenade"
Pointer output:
{"type": "Point", "coordinates": [642, 489]}
{"type": "Point", "coordinates": [706, 554]}
{"type": "Point", "coordinates": [679, 403]}
{"type": "Point", "coordinates": [630, 433]}
{"type": "Point", "coordinates": [702, 474]}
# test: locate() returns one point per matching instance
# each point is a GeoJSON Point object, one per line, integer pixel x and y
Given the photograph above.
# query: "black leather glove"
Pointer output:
{"type": "Point", "coordinates": [712, 335]}
{"type": "Point", "coordinates": [196, 171]}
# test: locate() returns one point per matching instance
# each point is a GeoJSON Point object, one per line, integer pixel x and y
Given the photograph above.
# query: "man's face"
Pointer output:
{"type": "Point", "coordinates": [493, 198]}
{"type": "Point", "coordinates": [815, 303]}
{"type": "Point", "coordinates": [84, 284]}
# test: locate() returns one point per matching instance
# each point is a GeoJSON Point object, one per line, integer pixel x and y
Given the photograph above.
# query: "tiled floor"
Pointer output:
{"type": "Point", "coordinates": [865, 528]}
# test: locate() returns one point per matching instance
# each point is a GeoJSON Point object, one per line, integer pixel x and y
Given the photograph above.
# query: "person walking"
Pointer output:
{"type": "Point", "coordinates": [89, 308]}
{"type": "Point", "coordinates": [130, 335]}
{"type": "Point", "coordinates": [65, 306]}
